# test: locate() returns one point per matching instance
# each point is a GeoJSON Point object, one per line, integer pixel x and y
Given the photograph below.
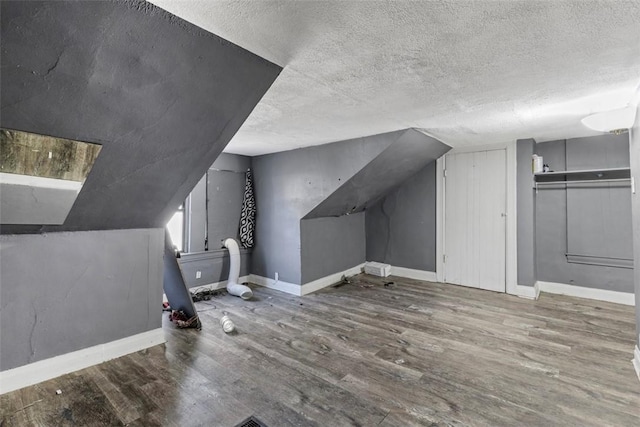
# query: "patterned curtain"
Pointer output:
{"type": "Point", "coordinates": [248, 214]}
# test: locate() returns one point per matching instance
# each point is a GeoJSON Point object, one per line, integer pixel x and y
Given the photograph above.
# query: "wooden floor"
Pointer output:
{"type": "Point", "coordinates": [411, 353]}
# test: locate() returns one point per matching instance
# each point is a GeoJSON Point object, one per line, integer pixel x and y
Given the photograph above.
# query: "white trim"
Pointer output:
{"type": "Point", "coordinates": [511, 261]}
{"type": "Point", "coordinates": [219, 285]}
{"type": "Point", "coordinates": [529, 292]}
{"type": "Point", "coordinates": [511, 244]}
{"type": "Point", "coordinates": [537, 288]}
{"type": "Point", "coordinates": [626, 298]}
{"type": "Point", "coordinates": [636, 360]}
{"type": "Point", "coordinates": [307, 288]}
{"type": "Point", "coordinates": [39, 181]}
{"type": "Point", "coordinates": [440, 166]}
{"type": "Point", "coordinates": [278, 285]}
{"type": "Point", "coordinates": [329, 280]}
{"type": "Point", "coordinates": [410, 273]}
{"type": "Point", "coordinates": [43, 370]}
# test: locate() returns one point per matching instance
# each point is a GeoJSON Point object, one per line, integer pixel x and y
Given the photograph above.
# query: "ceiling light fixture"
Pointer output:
{"type": "Point", "coordinates": [615, 121]}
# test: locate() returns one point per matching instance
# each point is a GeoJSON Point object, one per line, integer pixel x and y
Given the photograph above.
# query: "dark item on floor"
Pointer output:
{"type": "Point", "coordinates": [181, 320]}
{"type": "Point", "coordinates": [387, 284]}
{"type": "Point", "coordinates": [174, 285]}
{"type": "Point", "coordinates": [206, 294]}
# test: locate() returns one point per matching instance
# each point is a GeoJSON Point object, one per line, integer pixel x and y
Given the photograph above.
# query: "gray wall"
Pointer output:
{"type": "Point", "coordinates": [62, 292]}
{"type": "Point", "coordinates": [213, 265]}
{"type": "Point", "coordinates": [161, 95]}
{"type": "Point", "coordinates": [227, 179]}
{"type": "Point", "coordinates": [195, 233]}
{"type": "Point", "coordinates": [332, 244]}
{"type": "Point", "coordinates": [526, 208]}
{"type": "Point", "coordinates": [31, 204]}
{"type": "Point", "coordinates": [634, 150]}
{"type": "Point", "coordinates": [401, 227]}
{"type": "Point", "coordinates": [551, 219]}
{"type": "Point", "coordinates": [288, 185]}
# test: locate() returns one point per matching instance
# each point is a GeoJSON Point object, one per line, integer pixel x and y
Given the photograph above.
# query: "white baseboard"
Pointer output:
{"type": "Point", "coordinates": [212, 286]}
{"type": "Point", "coordinates": [636, 360]}
{"type": "Point", "coordinates": [307, 288]}
{"type": "Point", "coordinates": [625, 298]}
{"type": "Point", "coordinates": [329, 280]}
{"type": "Point", "coordinates": [43, 370]}
{"type": "Point", "coordinates": [410, 273]}
{"type": "Point", "coordinates": [529, 292]}
{"type": "Point", "coordinates": [278, 285]}
{"type": "Point", "coordinates": [219, 285]}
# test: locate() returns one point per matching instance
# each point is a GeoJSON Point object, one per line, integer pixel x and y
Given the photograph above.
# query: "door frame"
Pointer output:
{"type": "Point", "coordinates": [511, 261]}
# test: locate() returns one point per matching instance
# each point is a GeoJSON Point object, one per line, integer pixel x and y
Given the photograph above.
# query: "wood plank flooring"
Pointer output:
{"type": "Point", "coordinates": [364, 354]}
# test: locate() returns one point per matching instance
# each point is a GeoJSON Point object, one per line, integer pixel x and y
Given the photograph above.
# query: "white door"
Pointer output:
{"type": "Point", "coordinates": [475, 220]}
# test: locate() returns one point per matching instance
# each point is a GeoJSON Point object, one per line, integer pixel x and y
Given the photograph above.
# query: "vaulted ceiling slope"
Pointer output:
{"type": "Point", "coordinates": [409, 152]}
{"type": "Point", "coordinates": [161, 95]}
{"type": "Point", "coordinates": [468, 72]}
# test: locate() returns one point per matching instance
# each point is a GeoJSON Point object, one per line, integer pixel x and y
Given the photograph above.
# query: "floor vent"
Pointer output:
{"type": "Point", "coordinates": [252, 422]}
{"type": "Point", "coordinates": [377, 269]}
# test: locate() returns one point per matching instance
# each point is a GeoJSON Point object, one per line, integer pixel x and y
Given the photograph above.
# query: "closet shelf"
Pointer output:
{"type": "Point", "coordinates": [583, 176]}
{"type": "Point", "coordinates": [596, 172]}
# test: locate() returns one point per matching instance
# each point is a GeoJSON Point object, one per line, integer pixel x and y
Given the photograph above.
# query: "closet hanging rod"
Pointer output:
{"type": "Point", "coordinates": [588, 181]}
{"type": "Point", "coordinates": [584, 180]}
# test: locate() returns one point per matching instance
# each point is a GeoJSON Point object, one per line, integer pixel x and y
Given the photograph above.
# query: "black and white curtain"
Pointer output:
{"type": "Point", "coordinates": [248, 214]}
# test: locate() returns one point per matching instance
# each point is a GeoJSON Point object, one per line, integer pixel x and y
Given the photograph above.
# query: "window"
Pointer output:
{"type": "Point", "coordinates": [175, 228]}
{"type": "Point", "coordinates": [41, 176]}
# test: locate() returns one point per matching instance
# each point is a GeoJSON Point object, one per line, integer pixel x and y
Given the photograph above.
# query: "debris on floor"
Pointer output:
{"type": "Point", "coordinates": [227, 325]}
{"type": "Point", "coordinates": [388, 284]}
{"type": "Point", "coordinates": [204, 294]}
{"type": "Point", "coordinates": [58, 391]}
{"type": "Point", "coordinates": [344, 280]}
{"type": "Point", "coordinates": [182, 321]}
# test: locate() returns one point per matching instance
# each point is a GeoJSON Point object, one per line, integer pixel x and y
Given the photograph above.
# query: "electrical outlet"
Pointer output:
{"type": "Point", "coordinates": [276, 276]}
{"type": "Point", "coordinates": [198, 274]}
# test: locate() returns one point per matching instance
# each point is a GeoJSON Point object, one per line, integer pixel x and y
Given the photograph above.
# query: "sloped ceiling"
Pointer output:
{"type": "Point", "coordinates": [468, 72]}
{"type": "Point", "coordinates": [162, 96]}
{"type": "Point", "coordinates": [410, 152]}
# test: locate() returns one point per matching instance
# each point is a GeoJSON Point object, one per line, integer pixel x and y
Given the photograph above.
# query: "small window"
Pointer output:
{"type": "Point", "coordinates": [41, 176]}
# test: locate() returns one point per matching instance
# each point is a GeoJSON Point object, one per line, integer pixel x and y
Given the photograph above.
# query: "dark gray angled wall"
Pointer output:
{"type": "Point", "coordinates": [290, 184]}
{"type": "Point", "coordinates": [607, 209]}
{"type": "Point", "coordinates": [526, 208]}
{"type": "Point", "coordinates": [401, 227]}
{"type": "Point", "coordinates": [161, 95]}
{"type": "Point", "coordinates": [62, 292]}
{"type": "Point", "coordinates": [408, 154]}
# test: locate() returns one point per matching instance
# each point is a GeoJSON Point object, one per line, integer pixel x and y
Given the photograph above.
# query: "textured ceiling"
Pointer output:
{"type": "Point", "coordinates": [467, 72]}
